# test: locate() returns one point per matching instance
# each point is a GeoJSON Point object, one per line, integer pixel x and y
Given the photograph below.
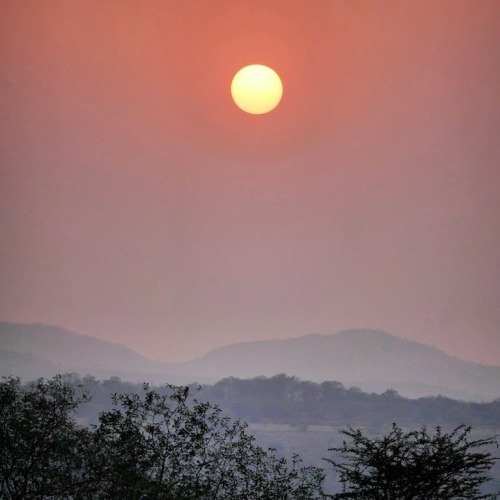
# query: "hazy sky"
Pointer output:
{"type": "Point", "coordinates": [138, 204]}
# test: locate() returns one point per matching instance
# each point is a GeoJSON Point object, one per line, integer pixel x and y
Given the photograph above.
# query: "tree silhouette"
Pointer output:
{"type": "Point", "coordinates": [42, 450]}
{"type": "Point", "coordinates": [171, 446]}
{"type": "Point", "coordinates": [412, 465]}
{"type": "Point", "coordinates": [149, 446]}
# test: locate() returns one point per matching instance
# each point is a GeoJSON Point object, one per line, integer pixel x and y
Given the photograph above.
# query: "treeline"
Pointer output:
{"type": "Point", "coordinates": [287, 400]}
{"type": "Point", "coordinates": [148, 446]}
{"type": "Point", "coordinates": [168, 444]}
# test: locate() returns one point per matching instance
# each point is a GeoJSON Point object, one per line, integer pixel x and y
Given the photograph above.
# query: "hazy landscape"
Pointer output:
{"type": "Point", "coordinates": [236, 231]}
{"type": "Point", "coordinates": [374, 361]}
{"type": "Point", "coordinates": [266, 384]}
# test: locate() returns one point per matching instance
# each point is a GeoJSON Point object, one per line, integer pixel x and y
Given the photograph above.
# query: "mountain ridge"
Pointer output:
{"type": "Point", "coordinates": [32, 350]}
{"type": "Point", "coordinates": [368, 358]}
{"type": "Point", "coordinates": [373, 360]}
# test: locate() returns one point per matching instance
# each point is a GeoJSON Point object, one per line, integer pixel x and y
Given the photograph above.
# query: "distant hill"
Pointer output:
{"type": "Point", "coordinates": [370, 359]}
{"type": "Point", "coordinates": [33, 350]}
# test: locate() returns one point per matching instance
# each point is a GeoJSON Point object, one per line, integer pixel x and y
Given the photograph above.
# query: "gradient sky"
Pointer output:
{"type": "Point", "coordinates": [138, 204]}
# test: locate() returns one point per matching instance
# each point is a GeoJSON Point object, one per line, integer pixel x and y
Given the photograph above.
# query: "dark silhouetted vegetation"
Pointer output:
{"type": "Point", "coordinates": [66, 438]}
{"type": "Point", "coordinates": [412, 465]}
{"type": "Point", "coordinates": [288, 400]}
{"type": "Point", "coordinates": [43, 453]}
{"type": "Point", "coordinates": [148, 446]}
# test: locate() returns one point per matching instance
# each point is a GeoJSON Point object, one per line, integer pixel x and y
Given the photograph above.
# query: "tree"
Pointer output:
{"type": "Point", "coordinates": [149, 446]}
{"type": "Point", "coordinates": [413, 465]}
{"type": "Point", "coordinates": [42, 450]}
{"type": "Point", "coordinates": [173, 446]}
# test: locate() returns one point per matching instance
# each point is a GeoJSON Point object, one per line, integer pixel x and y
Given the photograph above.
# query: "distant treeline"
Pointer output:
{"type": "Point", "coordinates": [79, 438]}
{"type": "Point", "coordinates": [283, 399]}
{"type": "Point", "coordinates": [288, 400]}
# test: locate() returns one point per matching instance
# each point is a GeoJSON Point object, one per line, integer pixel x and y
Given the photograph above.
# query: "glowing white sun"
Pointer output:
{"type": "Point", "coordinates": [256, 89]}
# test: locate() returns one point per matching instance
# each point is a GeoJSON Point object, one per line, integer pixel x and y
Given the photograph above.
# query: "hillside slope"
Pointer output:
{"type": "Point", "coordinates": [372, 359]}
{"type": "Point", "coordinates": [34, 350]}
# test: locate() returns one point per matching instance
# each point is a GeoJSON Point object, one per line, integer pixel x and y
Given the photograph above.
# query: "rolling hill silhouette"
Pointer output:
{"type": "Point", "coordinates": [34, 350]}
{"type": "Point", "coordinates": [370, 359]}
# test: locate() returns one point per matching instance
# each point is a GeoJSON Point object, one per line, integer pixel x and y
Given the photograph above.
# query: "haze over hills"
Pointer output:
{"type": "Point", "coordinates": [34, 350]}
{"type": "Point", "coordinates": [370, 359]}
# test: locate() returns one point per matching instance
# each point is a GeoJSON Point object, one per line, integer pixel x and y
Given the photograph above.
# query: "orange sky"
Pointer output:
{"type": "Point", "coordinates": [140, 205]}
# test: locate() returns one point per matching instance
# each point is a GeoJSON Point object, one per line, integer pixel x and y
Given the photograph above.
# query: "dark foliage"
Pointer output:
{"type": "Point", "coordinates": [42, 450]}
{"type": "Point", "coordinates": [166, 444]}
{"type": "Point", "coordinates": [288, 400]}
{"type": "Point", "coordinates": [149, 446]}
{"type": "Point", "coordinates": [412, 465]}
{"type": "Point", "coordinates": [171, 447]}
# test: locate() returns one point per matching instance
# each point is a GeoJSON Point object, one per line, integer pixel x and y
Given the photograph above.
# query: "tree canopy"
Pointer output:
{"type": "Point", "coordinates": [167, 444]}
{"type": "Point", "coordinates": [148, 446]}
{"type": "Point", "coordinates": [414, 465]}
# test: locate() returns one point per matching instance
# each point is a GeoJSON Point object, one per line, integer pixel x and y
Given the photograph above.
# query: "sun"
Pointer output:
{"type": "Point", "coordinates": [256, 89]}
